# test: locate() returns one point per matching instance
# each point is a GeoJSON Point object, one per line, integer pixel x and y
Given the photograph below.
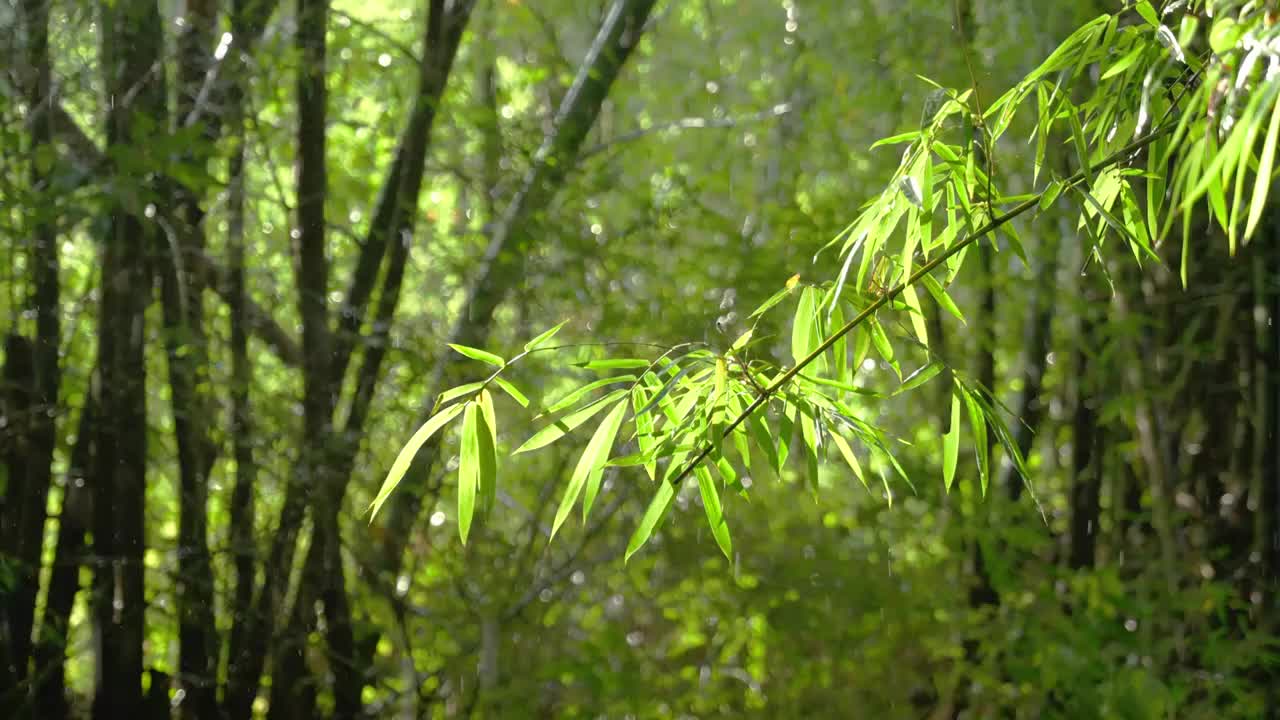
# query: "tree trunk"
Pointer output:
{"type": "Point", "coordinates": [132, 37]}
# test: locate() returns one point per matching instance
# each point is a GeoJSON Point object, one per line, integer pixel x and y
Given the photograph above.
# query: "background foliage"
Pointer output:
{"type": "Point", "coordinates": [241, 239]}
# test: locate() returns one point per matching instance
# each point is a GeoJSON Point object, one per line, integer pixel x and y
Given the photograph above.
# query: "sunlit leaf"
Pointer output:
{"type": "Point", "coordinates": [468, 471]}
{"type": "Point", "coordinates": [921, 376]}
{"type": "Point", "coordinates": [487, 433]}
{"type": "Point", "coordinates": [478, 354]}
{"type": "Point", "coordinates": [951, 444]}
{"type": "Point", "coordinates": [568, 423]}
{"type": "Point", "coordinates": [573, 396]}
{"type": "Point", "coordinates": [715, 512]}
{"type": "Point", "coordinates": [453, 393]}
{"type": "Point", "coordinates": [653, 516]}
{"type": "Point", "coordinates": [847, 452]}
{"type": "Point", "coordinates": [1266, 162]}
{"type": "Point", "coordinates": [512, 390]}
{"type": "Point", "coordinates": [544, 337]}
{"type": "Point", "coordinates": [407, 453]}
{"type": "Point", "coordinates": [590, 467]}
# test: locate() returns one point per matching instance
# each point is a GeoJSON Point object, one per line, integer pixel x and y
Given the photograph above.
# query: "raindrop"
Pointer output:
{"type": "Point", "coordinates": [402, 585]}
{"type": "Point", "coordinates": [150, 211]}
{"type": "Point", "coordinates": [1131, 625]}
{"type": "Point", "coordinates": [437, 519]}
{"type": "Point", "coordinates": [578, 577]}
{"type": "Point", "coordinates": [384, 60]}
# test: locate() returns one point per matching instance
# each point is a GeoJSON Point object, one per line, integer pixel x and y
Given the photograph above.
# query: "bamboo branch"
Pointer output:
{"type": "Point", "coordinates": [884, 299]}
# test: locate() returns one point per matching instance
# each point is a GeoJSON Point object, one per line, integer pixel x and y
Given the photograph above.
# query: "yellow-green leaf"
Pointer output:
{"type": "Point", "coordinates": [407, 453]}
{"type": "Point", "coordinates": [478, 354]}
{"type": "Point", "coordinates": [468, 471]}
{"type": "Point", "coordinates": [652, 517]}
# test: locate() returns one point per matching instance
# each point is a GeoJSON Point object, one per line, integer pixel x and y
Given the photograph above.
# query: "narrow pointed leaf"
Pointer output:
{"type": "Point", "coordinates": [951, 444]}
{"type": "Point", "coordinates": [513, 391]}
{"type": "Point", "coordinates": [468, 471]}
{"type": "Point", "coordinates": [653, 516]}
{"type": "Point", "coordinates": [407, 453]}
{"type": "Point", "coordinates": [478, 354]}
{"type": "Point", "coordinates": [715, 512]}
{"type": "Point", "coordinates": [568, 423]}
{"type": "Point", "coordinates": [544, 337]}
{"type": "Point", "coordinates": [590, 463]}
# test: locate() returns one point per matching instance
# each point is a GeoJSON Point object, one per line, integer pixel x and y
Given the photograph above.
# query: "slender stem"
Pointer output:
{"type": "Point", "coordinates": [882, 300]}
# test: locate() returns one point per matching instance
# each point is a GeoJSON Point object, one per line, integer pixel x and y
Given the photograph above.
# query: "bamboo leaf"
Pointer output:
{"type": "Point", "coordinates": [715, 512]}
{"type": "Point", "coordinates": [453, 393]}
{"type": "Point", "coordinates": [574, 396]}
{"type": "Point", "coordinates": [512, 390]}
{"type": "Point", "coordinates": [847, 452]}
{"type": "Point", "coordinates": [590, 468]}
{"type": "Point", "coordinates": [921, 376]}
{"type": "Point", "coordinates": [407, 453]}
{"type": "Point", "coordinates": [544, 337]}
{"type": "Point", "coordinates": [478, 354]}
{"type": "Point", "coordinates": [1262, 184]}
{"type": "Point", "coordinates": [468, 471]}
{"type": "Point", "coordinates": [951, 444]}
{"type": "Point", "coordinates": [568, 423]}
{"type": "Point", "coordinates": [653, 516]}
{"type": "Point", "coordinates": [487, 430]}
{"type": "Point", "coordinates": [941, 297]}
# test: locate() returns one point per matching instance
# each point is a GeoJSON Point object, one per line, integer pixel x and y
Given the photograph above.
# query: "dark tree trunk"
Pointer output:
{"type": "Point", "coordinates": [37, 400]}
{"type": "Point", "coordinates": [64, 576]}
{"type": "Point", "coordinates": [182, 294]}
{"type": "Point", "coordinates": [131, 32]}
{"type": "Point", "coordinates": [242, 508]}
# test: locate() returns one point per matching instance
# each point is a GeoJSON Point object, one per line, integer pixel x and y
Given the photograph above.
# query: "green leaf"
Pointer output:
{"type": "Point", "coordinates": [538, 341]}
{"type": "Point", "coordinates": [951, 444]}
{"type": "Point", "coordinates": [896, 139]}
{"type": "Point", "coordinates": [881, 341]}
{"type": "Point", "coordinates": [1082, 145]}
{"type": "Point", "coordinates": [1148, 13]}
{"type": "Point", "coordinates": [804, 327]}
{"type": "Point", "coordinates": [577, 394]}
{"type": "Point", "coordinates": [981, 447]}
{"type": "Point", "coordinates": [566, 424]}
{"type": "Point", "coordinates": [916, 313]}
{"type": "Point", "coordinates": [920, 377]}
{"type": "Point", "coordinates": [652, 518]}
{"type": "Point", "coordinates": [742, 340]}
{"type": "Point", "coordinates": [774, 300]}
{"type": "Point", "coordinates": [609, 429]}
{"type": "Point", "coordinates": [941, 297]}
{"type": "Point", "coordinates": [1266, 162]}
{"type": "Point", "coordinates": [468, 471]}
{"type": "Point", "coordinates": [488, 435]}
{"type": "Point", "coordinates": [590, 467]}
{"type": "Point", "coordinates": [715, 512]}
{"type": "Point", "coordinates": [849, 457]}
{"type": "Point", "coordinates": [512, 390]}
{"type": "Point", "coordinates": [459, 391]}
{"type": "Point", "coordinates": [481, 355]}
{"type": "Point", "coordinates": [407, 453]}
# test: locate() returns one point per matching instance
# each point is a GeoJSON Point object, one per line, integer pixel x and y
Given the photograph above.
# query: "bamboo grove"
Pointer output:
{"type": "Point", "coordinates": [292, 288]}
